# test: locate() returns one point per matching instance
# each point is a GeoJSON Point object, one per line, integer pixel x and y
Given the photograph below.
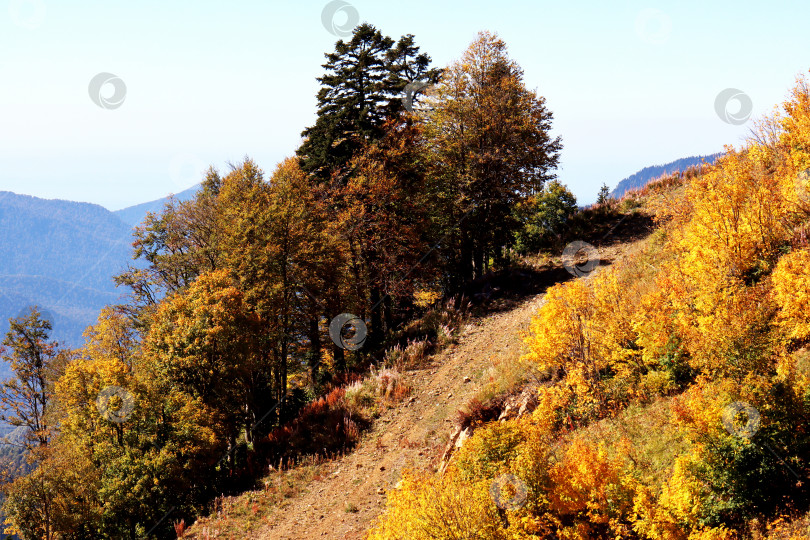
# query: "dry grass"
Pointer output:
{"type": "Point", "coordinates": [236, 517]}
{"type": "Point", "coordinates": [784, 528]}
{"type": "Point", "coordinates": [412, 355]}
{"type": "Point", "coordinates": [382, 388]}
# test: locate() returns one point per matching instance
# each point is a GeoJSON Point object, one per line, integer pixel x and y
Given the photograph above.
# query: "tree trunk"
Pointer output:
{"type": "Point", "coordinates": [314, 348]}
{"type": "Point", "coordinates": [465, 262]}
{"type": "Point", "coordinates": [478, 261]}
{"type": "Point", "coordinates": [388, 313]}
{"type": "Point", "coordinates": [374, 338]}
{"type": "Point", "coordinates": [340, 359]}
{"type": "Point", "coordinates": [284, 350]}
{"type": "Point", "coordinates": [231, 452]}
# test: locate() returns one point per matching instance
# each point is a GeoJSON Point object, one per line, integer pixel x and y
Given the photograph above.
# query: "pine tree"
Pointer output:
{"type": "Point", "coordinates": [362, 87]}
{"type": "Point", "coordinates": [604, 195]}
{"type": "Point", "coordinates": [407, 65]}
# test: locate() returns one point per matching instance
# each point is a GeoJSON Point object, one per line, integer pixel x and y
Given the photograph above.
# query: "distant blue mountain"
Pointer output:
{"type": "Point", "coordinates": [133, 215]}
{"type": "Point", "coordinates": [645, 175]}
{"type": "Point", "coordinates": [60, 256]}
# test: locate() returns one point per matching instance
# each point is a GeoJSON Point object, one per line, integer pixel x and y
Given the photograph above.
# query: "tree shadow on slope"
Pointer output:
{"type": "Point", "coordinates": [504, 289]}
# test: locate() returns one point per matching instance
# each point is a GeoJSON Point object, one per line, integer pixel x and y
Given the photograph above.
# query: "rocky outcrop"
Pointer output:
{"type": "Point", "coordinates": [514, 406]}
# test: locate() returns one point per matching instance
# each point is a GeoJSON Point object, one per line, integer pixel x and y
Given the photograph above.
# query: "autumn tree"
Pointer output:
{"type": "Point", "coordinates": [28, 402]}
{"type": "Point", "coordinates": [387, 215]}
{"type": "Point", "coordinates": [202, 340]}
{"type": "Point", "coordinates": [177, 245]}
{"type": "Point", "coordinates": [118, 465]}
{"type": "Point", "coordinates": [489, 138]}
{"type": "Point", "coordinates": [34, 360]}
{"type": "Point", "coordinates": [283, 254]}
{"type": "Point", "coordinates": [543, 217]}
{"type": "Point", "coordinates": [112, 337]}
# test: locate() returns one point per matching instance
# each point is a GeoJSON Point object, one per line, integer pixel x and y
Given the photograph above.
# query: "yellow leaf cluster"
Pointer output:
{"type": "Point", "coordinates": [791, 289]}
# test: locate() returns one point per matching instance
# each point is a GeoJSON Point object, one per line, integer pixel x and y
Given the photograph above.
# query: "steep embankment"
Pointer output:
{"type": "Point", "coordinates": [347, 494]}
{"type": "Point", "coordinates": [411, 436]}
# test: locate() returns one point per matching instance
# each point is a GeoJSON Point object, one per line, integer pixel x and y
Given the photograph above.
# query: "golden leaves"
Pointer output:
{"type": "Point", "coordinates": [791, 289]}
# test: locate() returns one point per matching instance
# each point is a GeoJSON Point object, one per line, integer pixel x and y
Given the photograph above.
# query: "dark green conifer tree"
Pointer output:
{"type": "Point", "coordinates": [363, 86]}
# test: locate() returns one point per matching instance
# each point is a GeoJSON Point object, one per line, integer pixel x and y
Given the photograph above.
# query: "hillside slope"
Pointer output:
{"type": "Point", "coordinates": [349, 493]}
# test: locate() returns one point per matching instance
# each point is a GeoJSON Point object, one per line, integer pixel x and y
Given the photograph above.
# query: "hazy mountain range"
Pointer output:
{"type": "Point", "coordinates": [133, 215]}
{"type": "Point", "coordinates": [61, 256]}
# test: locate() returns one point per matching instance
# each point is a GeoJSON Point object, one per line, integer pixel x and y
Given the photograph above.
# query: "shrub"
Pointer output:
{"type": "Point", "coordinates": [490, 450]}
{"type": "Point", "coordinates": [791, 286]}
{"type": "Point", "coordinates": [589, 493]}
{"type": "Point", "coordinates": [425, 508]}
{"type": "Point", "coordinates": [544, 217]}
{"type": "Point", "coordinates": [325, 426]}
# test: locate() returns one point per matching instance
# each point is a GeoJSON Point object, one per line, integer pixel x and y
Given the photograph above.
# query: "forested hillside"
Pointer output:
{"type": "Point", "coordinates": [271, 313]}
{"type": "Point", "coordinates": [274, 318]}
{"type": "Point", "coordinates": [61, 256]}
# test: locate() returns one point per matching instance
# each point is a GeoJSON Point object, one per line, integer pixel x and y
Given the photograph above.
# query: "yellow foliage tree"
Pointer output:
{"type": "Point", "coordinates": [588, 489]}
{"type": "Point", "coordinates": [791, 289]}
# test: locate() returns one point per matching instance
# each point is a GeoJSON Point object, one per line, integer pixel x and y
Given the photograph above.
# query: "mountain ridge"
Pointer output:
{"type": "Point", "coordinates": [60, 256]}
{"type": "Point", "coordinates": [647, 174]}
{"type": "Point", "coordinates": [134, 215]}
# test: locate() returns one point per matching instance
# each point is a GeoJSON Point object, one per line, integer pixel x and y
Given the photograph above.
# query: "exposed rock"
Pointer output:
{"type": "Point", "coordinates": [506, 414]}
{"type": "Point", "coordinates": [448, 450]}
{"type": "Point", "coordinates": [524, 406]}
{"type": "Point", "coordinates": [518, 405]}
{"type": "Point", "coordinates": [457, 438]}
{"type": "Point", "coordinates": [463, 436]}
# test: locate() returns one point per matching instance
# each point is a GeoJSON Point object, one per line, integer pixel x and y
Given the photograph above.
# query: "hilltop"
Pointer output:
{"type": "Point", "coordinates": [648, 174]}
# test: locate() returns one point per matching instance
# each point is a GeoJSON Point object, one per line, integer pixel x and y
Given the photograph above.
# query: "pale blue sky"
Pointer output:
{"type": "Point", "coordinates": [631, 83]}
